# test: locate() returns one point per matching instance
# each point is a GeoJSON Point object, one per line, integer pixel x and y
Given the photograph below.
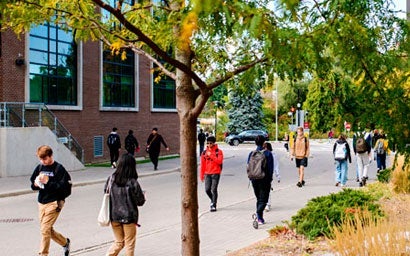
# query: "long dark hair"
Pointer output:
{"type": "Point", "coordinates": [126, 170]}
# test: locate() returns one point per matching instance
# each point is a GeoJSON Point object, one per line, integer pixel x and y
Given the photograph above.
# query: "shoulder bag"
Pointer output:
{"type": "Point", "coordinates": [104, 214]}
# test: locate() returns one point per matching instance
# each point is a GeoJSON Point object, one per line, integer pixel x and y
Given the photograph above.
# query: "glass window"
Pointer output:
{"type": "Point", "coordinates": [53, 66]}
{"type": "Point", "coordinates": [118, 80]}
{"type": "Point", "coordinates": [119, 86]}
{"type": "Point", "coordinates": [164, 92]}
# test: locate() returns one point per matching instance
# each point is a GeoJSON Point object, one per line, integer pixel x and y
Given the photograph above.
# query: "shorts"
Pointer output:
{"type": "Point", "coordinates": [303, 162]}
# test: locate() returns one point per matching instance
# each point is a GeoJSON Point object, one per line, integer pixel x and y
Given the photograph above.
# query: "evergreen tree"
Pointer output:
{"type": "Point", "coordinates": [245, 112]}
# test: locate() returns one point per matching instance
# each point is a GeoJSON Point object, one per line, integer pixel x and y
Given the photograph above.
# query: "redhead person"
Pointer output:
{"type": "Point", "coordinates": [125, 197]}
{"type": "Point", "coordinates": [300, 151]}
{"type": "Point", "coordinates": [211, 167]}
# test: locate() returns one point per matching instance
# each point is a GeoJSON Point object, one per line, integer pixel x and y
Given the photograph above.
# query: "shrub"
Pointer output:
{"type": "Point", "coordinates": [384, 175]}
{"type": "Point", "coordinates": [323, 212]}
{"type": "Point", "coordinates": [401, 177]}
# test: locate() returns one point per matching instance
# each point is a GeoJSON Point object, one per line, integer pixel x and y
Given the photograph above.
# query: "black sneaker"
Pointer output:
{"type": "Point", "coordinates": [299, 184]}
{"type": "Point", "coordinates": [364, 181]}
{"type": "Point", "coordinates": [213, 208]}
{"type": "Point", "coordinates": [66, 248]}
{"type": "Point", "coordinates": [303, 182]}
{"type": "Point", "coordinates": [360, 184]}
{"type": "Point", "coordinates": [357, 179]}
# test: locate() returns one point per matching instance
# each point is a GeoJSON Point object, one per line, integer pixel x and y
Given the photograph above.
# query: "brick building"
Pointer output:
{"type": "Point", "coordinates": [88, 90]}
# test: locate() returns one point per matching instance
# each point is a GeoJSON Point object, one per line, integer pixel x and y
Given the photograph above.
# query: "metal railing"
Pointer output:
{"type": "Point", "coordinates": [16, 114]}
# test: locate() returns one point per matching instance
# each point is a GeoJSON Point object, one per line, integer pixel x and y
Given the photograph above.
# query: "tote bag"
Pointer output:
{"type": "Point", "coordinates": [104, 214]}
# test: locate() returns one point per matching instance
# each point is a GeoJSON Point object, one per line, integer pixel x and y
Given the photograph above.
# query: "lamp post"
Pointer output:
{"type": "Point", "coordinates": [216, 115]}
{"type": "Point", "coordinates": [298, 105]}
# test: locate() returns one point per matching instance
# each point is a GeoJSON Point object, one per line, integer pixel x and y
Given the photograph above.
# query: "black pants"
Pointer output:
{"type": "Point", "coordinates": [261, 188]}
{"type": "Point", "coordinates": [153, 155]}
{"type": "Point", "coordinates": [114, 154]}
{"type": "Point", "coordinates": [211, 187]}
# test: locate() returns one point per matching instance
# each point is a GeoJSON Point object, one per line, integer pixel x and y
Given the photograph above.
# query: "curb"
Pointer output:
{"type": "Point", "coordinates": [84, 183]}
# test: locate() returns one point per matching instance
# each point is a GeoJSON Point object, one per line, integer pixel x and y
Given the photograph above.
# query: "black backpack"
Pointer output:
{"type": "Point", "coordinates": [112, 139]}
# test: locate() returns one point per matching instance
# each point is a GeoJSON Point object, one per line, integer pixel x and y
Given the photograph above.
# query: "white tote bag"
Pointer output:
{"type": "Point", "coordinates": [104, 214]}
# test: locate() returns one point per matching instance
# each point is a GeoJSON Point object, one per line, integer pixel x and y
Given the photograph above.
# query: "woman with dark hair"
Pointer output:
{"type": "Point", "coordinates": [125, 197]}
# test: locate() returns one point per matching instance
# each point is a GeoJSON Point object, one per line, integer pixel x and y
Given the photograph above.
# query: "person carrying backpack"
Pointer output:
{"type": "Point", "coordinates": [300, 151]}
{"type": "Point", "coordinates": [114, 145]}
{"type": "Point", "coordinates": [380, 149]}
{"type": "Point", "coordinates": [53, 183]}
{"type": "Point", "coordinates": [362, 148]}
{"type": "Point", "coordinates": [131, 143]}
{"type": "Point", "coordinates": [211, 167]}
{"type": "Point", "coordinates": [260, 170]}
{"type": "Point", "coordinates": [341, 152]}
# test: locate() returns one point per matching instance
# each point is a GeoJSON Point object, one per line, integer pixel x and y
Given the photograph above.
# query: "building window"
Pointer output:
{"type": "Point", "coordinates": [119, 88]}
{"type": "Point", "coordinates": [164, 92]}
{"type": "Point", "coordinates": [53, 65]}
{"type": "Point", "coordinates": [118, 80]}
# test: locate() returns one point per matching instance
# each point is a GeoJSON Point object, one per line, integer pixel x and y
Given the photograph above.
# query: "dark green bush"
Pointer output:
{"type": "Point", "coordinates": [323, 212]}
{"type": "Point", "coordinates": [384, 175]}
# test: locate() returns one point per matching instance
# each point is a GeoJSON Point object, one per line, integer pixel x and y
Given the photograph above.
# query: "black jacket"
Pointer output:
{"type": "Point", "coordinates": [124, 201]}
{"type": "Point", "coordinates": [54, 189]}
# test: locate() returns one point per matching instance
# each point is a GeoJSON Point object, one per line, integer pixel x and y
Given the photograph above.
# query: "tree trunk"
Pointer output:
{"type": "Point", "coordinates": [189, 178]}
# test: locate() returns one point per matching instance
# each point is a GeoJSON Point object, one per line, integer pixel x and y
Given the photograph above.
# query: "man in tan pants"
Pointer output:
{"type": "Point", "coordinates": [49, 179]}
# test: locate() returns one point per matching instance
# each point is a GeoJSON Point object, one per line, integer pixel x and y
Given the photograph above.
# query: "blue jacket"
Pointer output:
{"type": "Point", "coordinates": [269, 158]}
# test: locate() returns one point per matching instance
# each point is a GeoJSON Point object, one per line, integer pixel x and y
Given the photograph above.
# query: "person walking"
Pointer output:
{"type": "Point", "coordinates": [201, 141]}
{"type": "Point", "coordinates": [268, 146]}
{"type": "Point", "coordinates": [154, 146]}
{"type": "Point", "coordinates": [125, 197]}
{"type": "Point", "coordinates": [131, 143]}
{"type": "Point", "coordinates": [210, 170]}
{"type": "Point", "coordinates": [261, 187]}
{"type": "Point", "coordinates": [114, 145]}
{"type": "Point", "coordinates": [380, 149]}
{"type": "Point", "coordinates": [49, 178]}
{"type": "Point", "coordinates": [362, 149]}
{"type": "Point", "coordinates": [341, 153]}
{"type": "Point", "coordinates": [300, 151]}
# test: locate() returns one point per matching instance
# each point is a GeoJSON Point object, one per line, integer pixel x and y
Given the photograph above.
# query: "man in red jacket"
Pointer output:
{"type": "Point", "coordinates": [211, 168]}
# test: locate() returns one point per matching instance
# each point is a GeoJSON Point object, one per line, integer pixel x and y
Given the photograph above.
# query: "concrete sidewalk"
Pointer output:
{"type": "Point", "coordinates": [13, 186]}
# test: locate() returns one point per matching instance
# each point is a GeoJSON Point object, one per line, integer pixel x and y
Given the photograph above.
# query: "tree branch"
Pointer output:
{"type": "Point", "coordinates": [142, 37]}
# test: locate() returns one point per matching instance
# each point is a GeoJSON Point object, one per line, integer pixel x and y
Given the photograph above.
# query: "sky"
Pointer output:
{"type": "Point", "coordinates": [401, 5]}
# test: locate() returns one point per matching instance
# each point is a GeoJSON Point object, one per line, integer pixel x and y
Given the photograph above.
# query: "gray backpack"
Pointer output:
{"type": "Point", "coordinates": [257, 165]}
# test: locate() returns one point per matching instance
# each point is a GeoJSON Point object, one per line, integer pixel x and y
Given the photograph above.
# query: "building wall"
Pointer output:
{"type": "Point", "coordinates": [90, 121]}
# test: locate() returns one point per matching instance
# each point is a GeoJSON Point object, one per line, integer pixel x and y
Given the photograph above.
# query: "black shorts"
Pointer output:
{"type": "Point", "coordinates": [303, 162]}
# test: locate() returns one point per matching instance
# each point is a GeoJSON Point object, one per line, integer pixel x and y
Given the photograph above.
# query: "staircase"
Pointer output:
{"type": "Point", "coordinates": [15, 114]}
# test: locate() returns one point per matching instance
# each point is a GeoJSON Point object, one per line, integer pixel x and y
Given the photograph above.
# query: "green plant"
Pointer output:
{"type": "Point", "coordinates": [321, 213]}
{"type": "Point", "coordinates": [384, 175]}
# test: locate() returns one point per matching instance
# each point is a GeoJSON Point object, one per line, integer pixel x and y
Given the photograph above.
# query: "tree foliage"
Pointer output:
{"type": "Point", "coordinates": [245, 112]}
{"type": "Point", "coordinates": [213, 41]}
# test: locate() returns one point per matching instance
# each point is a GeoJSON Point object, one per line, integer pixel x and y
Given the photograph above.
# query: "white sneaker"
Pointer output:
{"type": "Point", "coordinates": [267, 208]}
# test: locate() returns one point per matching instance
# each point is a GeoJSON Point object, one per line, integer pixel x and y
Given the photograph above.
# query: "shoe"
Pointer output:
{"type": "Point", "coordinates": [337, 184]}
{"type": "Point", "coordinates": [303, 182]}
{"type": "Point", "coordinates": [66, 248]}
{"type": "Point", "coordinates": [213, 208]}
{"type": "Point", "coordinates": [366, 177]}
{"type": "Point", "coordinates": [342, 185]}
{"type": "Point", "coordinates": [378, 170]}
{"type": "Point", "coordinates": [267, 208]}
{"type": "Point", "coordinates": [261, 221]}
{"type": "Point", "coordinates": [114, 164]}
{"type": "Point", "coordinates": [360, 184]}
{"type": "Point", "coordinates": [364, 181]}
{"type": "Point", "coordinates": [299, 184]}
{"type": "Point", "coordinates": [357, 179]}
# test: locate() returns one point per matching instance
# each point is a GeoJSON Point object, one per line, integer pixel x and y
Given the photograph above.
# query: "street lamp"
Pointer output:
{"type": "Point", "coordinates": [298, 105]}
{"type": "Point", "coordinates": [216, 115]}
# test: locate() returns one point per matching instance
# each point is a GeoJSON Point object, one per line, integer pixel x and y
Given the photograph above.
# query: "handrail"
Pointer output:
{"type": "Point", "coordinates": [18, 114]}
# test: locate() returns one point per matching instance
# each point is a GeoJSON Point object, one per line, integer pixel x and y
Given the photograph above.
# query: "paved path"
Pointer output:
{"type": "Point", "coordinates": [217, 231]}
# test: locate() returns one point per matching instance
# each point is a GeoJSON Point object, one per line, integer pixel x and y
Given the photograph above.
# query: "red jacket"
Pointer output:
{"type": "Point", "coordinates": [211, 161]}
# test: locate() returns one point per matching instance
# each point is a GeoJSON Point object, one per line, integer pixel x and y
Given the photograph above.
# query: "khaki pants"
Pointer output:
{"type": "Point", "coordinates": [48, 215]}
{"type": "Point", "coordinates": [125, 236]}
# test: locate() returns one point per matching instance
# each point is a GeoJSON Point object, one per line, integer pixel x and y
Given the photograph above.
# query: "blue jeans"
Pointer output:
{"type": "Point", "coordinates": [381, 161]}
{"type": "Point", "coordinates": [341, 171]}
